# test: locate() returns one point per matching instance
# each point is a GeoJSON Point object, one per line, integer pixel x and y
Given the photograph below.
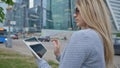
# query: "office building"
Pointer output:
{"type": "Point", "coordinates": [60, 14]}
{"type": "Point", "coordinates": [54, 14]}
{"type": "Point", "coordinates": [114, 6]}
{"type": "Point", "coordinates": [24, 17]}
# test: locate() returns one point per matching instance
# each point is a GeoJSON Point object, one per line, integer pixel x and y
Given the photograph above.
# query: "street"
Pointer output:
{"type": "Point", "coordinates": [21, 48]}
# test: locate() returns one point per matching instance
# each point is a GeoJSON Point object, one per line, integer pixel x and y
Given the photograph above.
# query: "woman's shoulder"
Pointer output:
{"type": "Point", "coordinates": [86, 32]}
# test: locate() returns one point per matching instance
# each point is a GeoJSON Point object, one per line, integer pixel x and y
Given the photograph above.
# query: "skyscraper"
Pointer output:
{"type": "Point", "coordinates": [114, 6]}
{"type": "Point", "coordinates": [61, 14]}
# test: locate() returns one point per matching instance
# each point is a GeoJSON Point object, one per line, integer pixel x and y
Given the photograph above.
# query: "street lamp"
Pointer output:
{"type": "Point", "coordinates": [9, 40]}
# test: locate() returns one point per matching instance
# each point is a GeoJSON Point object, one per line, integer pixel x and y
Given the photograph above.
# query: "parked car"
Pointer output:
{"type": "Point", "coordinates": [44, 38]}
{"type": "Point", "coordinates": [14, 36]}
{"type": "Point", "coordinates": [116, 42]}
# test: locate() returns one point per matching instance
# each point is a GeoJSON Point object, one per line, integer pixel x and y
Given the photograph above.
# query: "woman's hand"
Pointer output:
{"type": "Point", "coordinates": [56, 44]}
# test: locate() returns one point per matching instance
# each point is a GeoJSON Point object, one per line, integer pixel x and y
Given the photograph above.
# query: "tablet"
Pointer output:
{"type": "Point", "coordinates": [35, 46]}
{"type": "Point", "coordinates": [31, 39]}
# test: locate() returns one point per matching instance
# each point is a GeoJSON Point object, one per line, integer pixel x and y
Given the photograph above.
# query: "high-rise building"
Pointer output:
{"type": "Point", "coordinates": [114, 6]}
{"type": "Point", "coordinates": [60, 14]}
{"type": "Point", "coordinates": [26, 18]}
{"type": "Point", "coordinates": [37, 3]}
{"type": "Point", "coordinates": [53, 14]}
{"type": "Point", "coordinates": [18, 16]}
{"type": "Point", "coordinates": [49, 18]}
{"type": "Point", "coordinates": [40, 9]}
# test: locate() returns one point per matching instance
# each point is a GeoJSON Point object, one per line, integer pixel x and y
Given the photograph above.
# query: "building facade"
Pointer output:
{"type": "Point", "coordinates": [52, 14]}
{"type": "Point", "coordinates": [24, 17]}
{"type": "Point", "coordinates": [60, 14]}
{"type": "Point", "coordinates": [114, 6]}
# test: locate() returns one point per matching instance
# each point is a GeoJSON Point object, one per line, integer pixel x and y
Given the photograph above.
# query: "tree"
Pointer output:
{"type": "Point", "coordinates": [2, 14]}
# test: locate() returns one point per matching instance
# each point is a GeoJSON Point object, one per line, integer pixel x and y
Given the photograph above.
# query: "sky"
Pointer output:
{"type": "Point", "coordinates": [31, 2]}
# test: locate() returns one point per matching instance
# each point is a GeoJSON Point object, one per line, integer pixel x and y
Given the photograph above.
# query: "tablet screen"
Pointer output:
{"type": "Point", "coordinates": [32, 39]}
{"type": "Point", "coordinates": [39, 49]}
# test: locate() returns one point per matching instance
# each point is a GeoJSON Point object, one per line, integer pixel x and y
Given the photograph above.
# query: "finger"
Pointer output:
{"type": "Point", "coordinates": [55, 42]}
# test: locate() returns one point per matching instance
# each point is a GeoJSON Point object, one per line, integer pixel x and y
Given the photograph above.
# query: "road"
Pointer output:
{"type": "Point", "coordinates": [21, 48]}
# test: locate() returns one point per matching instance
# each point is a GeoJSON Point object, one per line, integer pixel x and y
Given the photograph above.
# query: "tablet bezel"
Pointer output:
{"type": "Point", "coordinates": [33, 52]}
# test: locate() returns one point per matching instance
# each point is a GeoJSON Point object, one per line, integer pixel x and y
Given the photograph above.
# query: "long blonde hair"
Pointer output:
{"type": "Point", "coordinates": [96, 16]}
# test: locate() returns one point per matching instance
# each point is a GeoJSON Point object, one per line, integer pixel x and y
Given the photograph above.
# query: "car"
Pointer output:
{"type": "Point", "coordinates": [116, 42]}
{"type": "Point", "coordinates": [14, 36]}
{"type": "Point", "coordinates": [44, 38]}
{"type": "Point", "coordinates": [3, 39]}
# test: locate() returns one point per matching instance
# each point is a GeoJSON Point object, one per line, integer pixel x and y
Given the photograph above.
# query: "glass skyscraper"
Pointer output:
{"type": "Point", "coordinates": [46, 14]}
{"type": "Point", "coordinates": [60, 14]}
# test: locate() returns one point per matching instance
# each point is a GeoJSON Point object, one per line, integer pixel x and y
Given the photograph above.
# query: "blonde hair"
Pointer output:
{"type": "Point", "coordinates": [96, 16]}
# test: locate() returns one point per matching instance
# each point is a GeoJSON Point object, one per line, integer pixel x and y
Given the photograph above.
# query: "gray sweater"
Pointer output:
{"type": "Point", "coordinates": [85, 50]}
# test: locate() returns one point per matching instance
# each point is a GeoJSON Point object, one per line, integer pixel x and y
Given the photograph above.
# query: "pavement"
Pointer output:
{"type": "Point", "coordinates": [21, 48]}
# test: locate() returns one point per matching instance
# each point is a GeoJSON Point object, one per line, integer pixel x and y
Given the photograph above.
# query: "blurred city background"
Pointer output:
{"type": "Point", "coordinates": [51, 18]}
{"type": "Point", "coordinates": [35, 15]}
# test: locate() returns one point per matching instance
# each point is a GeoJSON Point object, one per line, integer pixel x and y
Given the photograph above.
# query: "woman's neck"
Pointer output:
{"type": "Point", "coordinates": [84, 27]}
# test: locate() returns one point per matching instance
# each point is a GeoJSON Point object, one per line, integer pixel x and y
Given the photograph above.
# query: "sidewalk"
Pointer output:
{"type": "Point", "coordinates": [21, 48]}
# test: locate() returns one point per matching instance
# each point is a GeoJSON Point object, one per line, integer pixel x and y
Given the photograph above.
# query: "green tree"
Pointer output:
{"type": "Point", "coordinates": [2, 15]}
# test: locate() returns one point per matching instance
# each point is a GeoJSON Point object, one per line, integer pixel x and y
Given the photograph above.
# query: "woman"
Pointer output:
{"type": "Point", "coordinates": [90, 47]}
